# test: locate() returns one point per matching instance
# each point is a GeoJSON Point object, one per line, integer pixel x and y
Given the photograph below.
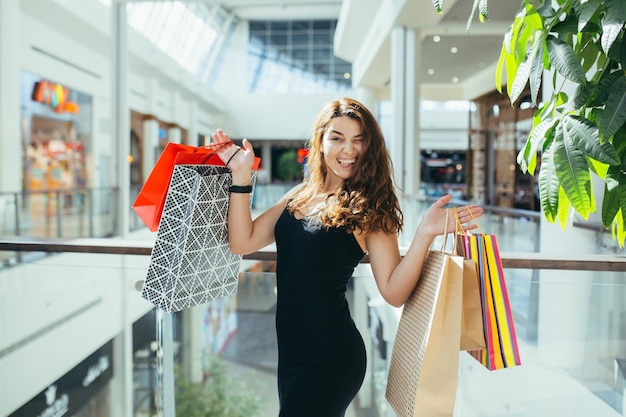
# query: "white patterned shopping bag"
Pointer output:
{"type": "Point", "coordinates": [191, 262]}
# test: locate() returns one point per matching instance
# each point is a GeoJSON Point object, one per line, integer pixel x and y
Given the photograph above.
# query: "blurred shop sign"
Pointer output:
{"type": "Point", "coordinates": [54, 95]}
{"type": "Point", "coordinates": [67, 395]}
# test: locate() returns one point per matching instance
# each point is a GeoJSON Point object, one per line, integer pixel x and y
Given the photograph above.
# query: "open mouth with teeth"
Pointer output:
{"type": "Point", "coordinates": [346, 162]}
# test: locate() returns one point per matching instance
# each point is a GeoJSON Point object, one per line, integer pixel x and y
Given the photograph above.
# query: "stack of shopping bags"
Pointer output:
{"type": "Point", "coordinates": [460, 303]}
{"type": "Point", "coordinates": [185, 200]}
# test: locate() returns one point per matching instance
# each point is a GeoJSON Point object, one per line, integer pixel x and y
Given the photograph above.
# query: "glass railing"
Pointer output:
{"type": "Point", "coordinates": [64, 313]}
{"type": "Point", "coordinates": [85, 212]}
{"type": "Point", "coordinates": [59, 213]}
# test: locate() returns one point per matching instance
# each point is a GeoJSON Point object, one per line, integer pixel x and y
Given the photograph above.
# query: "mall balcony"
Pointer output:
{"type": "Point", "coordinates": [128, 77]}
{"type": "Point", "coordinates": [78, 338]}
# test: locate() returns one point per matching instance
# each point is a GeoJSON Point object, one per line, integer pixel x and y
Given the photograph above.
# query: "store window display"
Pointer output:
{"type": "Point", "coordinates": [56, 140]}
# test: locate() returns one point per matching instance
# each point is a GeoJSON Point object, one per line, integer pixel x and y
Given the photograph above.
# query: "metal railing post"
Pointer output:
{"type": "Point", "coordinates": [166, 401]}
{"type": "Point", "coordinates": [90, 210]}
{"type": "Point", "coordinates": [59, 213]}
{"type": "Point", "coordinates": [18, 226]}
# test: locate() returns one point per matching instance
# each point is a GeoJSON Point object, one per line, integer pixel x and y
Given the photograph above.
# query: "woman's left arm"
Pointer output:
{"type": "Point", "coordinates": [397, 276]}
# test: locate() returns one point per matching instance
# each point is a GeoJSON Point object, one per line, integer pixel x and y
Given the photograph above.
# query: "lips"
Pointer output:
{"type": "Point", "coordinates": [346, 161]}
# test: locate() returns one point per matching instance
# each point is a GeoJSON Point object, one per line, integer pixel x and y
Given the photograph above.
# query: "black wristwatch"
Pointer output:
{"type": "Point", "coordinates": [245, 189]}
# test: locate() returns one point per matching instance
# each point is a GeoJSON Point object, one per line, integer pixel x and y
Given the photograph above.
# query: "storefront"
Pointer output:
{"type": "Point", "coordinates": [80, 392]}
{"type": "Point", "coordinates": [56, 131]}
{"type": "Point", "coordinates": [56, 135]}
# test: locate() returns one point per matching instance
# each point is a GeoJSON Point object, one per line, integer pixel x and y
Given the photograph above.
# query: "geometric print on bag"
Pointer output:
{"type": "Point", "coordinates": [191, 262]}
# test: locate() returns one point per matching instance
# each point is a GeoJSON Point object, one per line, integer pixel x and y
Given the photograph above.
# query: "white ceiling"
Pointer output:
{"type": "Point", "coordinates": [476, 50]}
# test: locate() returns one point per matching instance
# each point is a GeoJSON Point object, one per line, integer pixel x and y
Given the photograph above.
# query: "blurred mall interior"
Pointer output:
{"type": "Point", "coordinates": [91, 91]}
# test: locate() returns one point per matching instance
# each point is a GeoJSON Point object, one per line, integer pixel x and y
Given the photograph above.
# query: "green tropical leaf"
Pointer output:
{"type": "Point", "coordinates": [584, 136]}
{"type": "Point", "coordinates": [511, 70]}
{"type": "Point", "coordinates": [484, 12]}
{"type": "Point", "coordinates": [600, 92]}
{"type": "Point", "coordinates": [615, 53]}
{"type": "Point", "coordinates": [527, 157]}
{"type": "Point", "coordinates": [563, 209]}
{"type": "Point", "coordinates": [567, 26]}
{"type": "Point", "coordinates": [548, 185]}
{"type": "Point", "coordinates": [500, 68]}
{"type": "Point", "coordinates": [622, 55]}
{"type": "Point", "coordinates": [618, 229]}
{"type": "Point", "coordinates": [585, 12]}
{"type": "Point", "coordinates": [588, 52]}
{"type": "Point", "coordinates": [523, 71]}
{"type": "Point", "coordinates": [564, 59]}
{"type": "Point", "coordinates": [598, 168]}
{"type": "Point", "coordinates": [471, 16]}
{"type": "Point", "coordinates": [438, 6]}
{"type": "Point", "coordinates": [524, 36]}
{"type": "Point", "coordinates": [612, 22]}
{"type": "Point", "coordinates": [581, 96]}
{"type": "Point", "coordinates": [613, 116]}
{"type": "Point", "coordinates": [536, 73]}
{"type": "Point", "coordinates": [572, 172]}
{"type": "Point", "coordinates": [613, 194]}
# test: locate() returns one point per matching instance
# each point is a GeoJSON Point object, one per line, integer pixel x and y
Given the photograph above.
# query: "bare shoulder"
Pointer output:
{"type": "Point", "coordinates": [381, 243]}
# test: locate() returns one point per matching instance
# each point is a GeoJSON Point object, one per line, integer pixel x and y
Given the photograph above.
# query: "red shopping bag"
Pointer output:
{"type": "Point", "coordinates": [149, 203]}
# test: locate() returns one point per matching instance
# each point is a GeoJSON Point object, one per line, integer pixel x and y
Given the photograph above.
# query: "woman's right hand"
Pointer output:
{"type": "Point", "coordinates": [238, 159]}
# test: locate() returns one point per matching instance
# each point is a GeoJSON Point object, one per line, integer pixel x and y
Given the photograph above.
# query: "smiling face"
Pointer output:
{"type": "Point", "coordinates": [342, 145]}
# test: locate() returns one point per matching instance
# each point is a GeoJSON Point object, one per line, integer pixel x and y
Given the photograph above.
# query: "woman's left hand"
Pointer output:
{"type": "Point", "coordinates": [433, 221]}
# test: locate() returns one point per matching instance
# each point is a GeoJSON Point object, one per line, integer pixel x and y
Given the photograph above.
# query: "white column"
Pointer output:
{"type": "Point", "coordinates": [150, 142]}
{"type": "Point", "coordinates": [152, 97]}
{"type": "Point", "coordinates": [121, 399]}
{"type": "Point", "coordinates": [10, 135]}
{"type": "Point", "coordinates": [192, 129]}
{"type": "Point", "coordinates": [404, 143]}
{"type": "Point", "coordinates": [120, 112]}
{"type": "Point", "coordinates": [412, 153]}
{"type": "Point", "coordinates": [398, 99]}
{"type": "Point", "coordinates": [174, 134]}
{"type": "Point", "coordinates": [367, 97]}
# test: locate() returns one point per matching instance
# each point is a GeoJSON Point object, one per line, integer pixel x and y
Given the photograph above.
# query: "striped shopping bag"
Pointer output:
{"type": "Point", "coordinates": [502, 349]}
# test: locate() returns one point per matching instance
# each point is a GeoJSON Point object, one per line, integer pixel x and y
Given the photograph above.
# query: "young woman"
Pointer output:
{"type": "Point", "coordinates": [345, 208]}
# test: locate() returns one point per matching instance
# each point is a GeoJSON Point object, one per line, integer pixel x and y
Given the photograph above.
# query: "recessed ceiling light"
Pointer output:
{"type": "Point", "coordinates": [454, 50]}
{"type": "Point", "coordinates": [436, 38]}
{"type": "Point", "coordinates": [455, 79]}
{"type": "Point", "coordinates": [346, 75]}
{"type": "Point", "coordinates": [431, 71]}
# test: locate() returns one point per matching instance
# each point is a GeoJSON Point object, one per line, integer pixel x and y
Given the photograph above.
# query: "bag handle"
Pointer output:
{"type": "Point", "coordinates": [214, 148]}
{"type": "Point", "coordinates": [459, 226]}
{"type": "Point", "coordinates": [445, 234]}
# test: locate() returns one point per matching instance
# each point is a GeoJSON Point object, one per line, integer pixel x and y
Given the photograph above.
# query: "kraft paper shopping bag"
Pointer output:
{"type": "Point", "coordinates": [472, 331]}
{"type": "Point", "coordinates": [423, 372]}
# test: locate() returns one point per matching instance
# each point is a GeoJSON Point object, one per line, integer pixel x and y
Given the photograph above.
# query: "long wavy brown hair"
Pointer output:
{"type": "Point", "coordinates": [367, 201]}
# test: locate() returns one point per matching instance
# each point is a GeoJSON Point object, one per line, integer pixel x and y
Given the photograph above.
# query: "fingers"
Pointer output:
{"type": "Point", "coordinates": [467, 216]}
{"type": "Point", "coordinates": [247, 145]}
{"type": "Point", "coordinates": [444, 200]}
{"type": "Point", "coordinates": [220, 137]}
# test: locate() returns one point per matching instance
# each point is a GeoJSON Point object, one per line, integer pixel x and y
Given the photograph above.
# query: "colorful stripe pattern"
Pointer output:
{"type": "Point", "coordinates": [502, 349]}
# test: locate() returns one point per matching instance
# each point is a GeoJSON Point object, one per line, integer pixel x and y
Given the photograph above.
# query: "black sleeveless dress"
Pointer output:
{"type": "Point", "coordinates": [321, 355]}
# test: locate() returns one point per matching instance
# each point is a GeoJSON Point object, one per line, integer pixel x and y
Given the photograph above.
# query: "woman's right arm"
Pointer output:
{"type": "Point", "coordinates": [246, 235]}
